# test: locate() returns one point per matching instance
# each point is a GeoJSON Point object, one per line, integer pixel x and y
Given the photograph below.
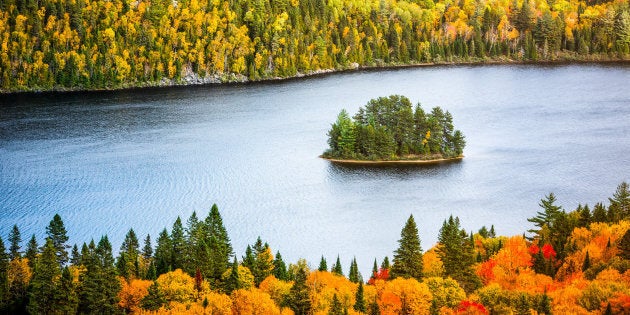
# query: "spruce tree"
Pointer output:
{"type": "Point", "coordinates": [129, 251]}
{"type": "Point", "coordinates": [45, 282]}
{"type": "Point", "coordinates": [353, 275]}
{"type": "Point", "coordinates": [249, 260]}
{"type": "Point", "coordinates": [4, 266]}
{"type": "Point", "coordinates": [218, 243]}
{"type": "Point", "coordinates": [280, 268]}
{"type": "Point", "coordinates": [32, 248]}
{"type": "Point", "coordinates": [147, 250]}
{"type": "Point", "coordinates": [163, 253]}
{"type": "Point", "coordinates": [599, 213]}
{"type": "Point", "coordinates": [408, 256]}
{"type": "Point", "coordinates": [197, 255]}
{"type": "Point", "coordinates": [620, 202]}
{"type": "Point", "coordinates": [359, 304]}
{"type": "Point", "coordinates": [375, 268]}
{"type": "Point", "coordinates": [56, 231]}
{"type": "Point", "coordinates": [492, 233]}
{"type": "Point", "coordinates": [15, 239]}
{"type": "Point", "coordinates": [75, 258]}
{"type": "Point", "coordinates": [585, 217]}
{"type": "Point", "coordinates": [336, 268]}
{"type": "Point", "coordinates": [374, 308]}
{"type": "Point", "coordinates": [323, 266]}
{"type": "Point", "coordinates": [154, 299]}
{"type": "Point", "coordinates": [335, 307]}
{"type": "Point", "coordinates": [385, 264]}
{"type": "Point", "coordinates": [456, 253]}
{"type": "Point", "coordinates": [234, 281]}
{"type": "Point", "coordinates": [587, 262]}
{"type": "Point", "coordinates": [178, 242]}
{"type": "Point", "coordinates": [298, 299]}
{"type": "Point", "coordinates": [67, 297]}
{"type": "Point", "coordinates": [263, 265]}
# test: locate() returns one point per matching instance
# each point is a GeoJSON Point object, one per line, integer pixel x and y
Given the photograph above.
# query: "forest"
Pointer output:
{"type": "Point", "coordinates": [575, 262]}
{"type": "Point", "coordinates": [388, 128]}
{"type": "Point", "coordinates": [104, 44]}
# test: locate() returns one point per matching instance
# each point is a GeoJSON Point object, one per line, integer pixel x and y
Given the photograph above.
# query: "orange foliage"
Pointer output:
{"type": "Point", "coordinates": [253, 301]}
{"type": "Point", "coordinates": [277, 289]}
{"type": "Point", "coordinates": [131, 293]}
{"type": "Point", "coordinates": [324, 285]}
{"type": "Point", "coordinates": [432, 264]}
{"type": "Point", "coordinates": [485, 271]}
{"type": "Point", "coordinates": [177, 286]}
{"type": "Point", "coordinates": [471, 308]}
{"type": "Point", "coordinates": [392, 295]}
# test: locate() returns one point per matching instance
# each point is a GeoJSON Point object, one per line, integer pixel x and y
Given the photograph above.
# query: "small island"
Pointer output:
{"type": "Point", "coordinates": [389, 130]}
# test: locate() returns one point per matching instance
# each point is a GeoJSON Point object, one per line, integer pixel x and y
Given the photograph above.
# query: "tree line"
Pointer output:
{"type": "Point", "coordinates": [96, 44]}
{"type": "Point", "coordinates": [389, 128]}
{"type": "Point", "coordinates": [571, 262]}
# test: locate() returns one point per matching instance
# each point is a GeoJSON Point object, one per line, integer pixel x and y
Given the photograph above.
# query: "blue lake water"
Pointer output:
{"type": "Point", "coordinates": [109, 161]}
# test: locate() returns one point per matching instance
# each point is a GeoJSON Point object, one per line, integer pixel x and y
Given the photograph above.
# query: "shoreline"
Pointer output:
{"type": "Point", "coordinates": [394, 162]}
{"type": "Point", "coordinates": [242, 80]}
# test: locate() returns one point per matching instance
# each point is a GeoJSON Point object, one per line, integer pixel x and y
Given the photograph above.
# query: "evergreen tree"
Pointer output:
{"type": "Point", "coordinates": [587, 262]}
{"type": "Point", "coordinates": [129, 251]}
{"type": "Point", "coordinates": [620, 203]}
{"type": "Point", "coordinates": [218, 244]}
{"type": "Point", "coordinates": [15, 239]}
{"type": "Point", "coordinates": [178, 241]}
{"type": "Point", "coordinates": [75, 258]}
{"type": "Point", "coordinates": [544, 306]}
{"type": "Point", "coordinates": [385, 264]}
{"type": "Point", "coordinates": [163, 253]}
{"type": "Point", "coordinates": [336, 268]}
{"type": "Point", "coordinates": [323, 266]}
{"type": "Point", "coordinates": [335, 307]}
{"type": "Point", "coordinates": [408, 256]}
{"type": "Point", "coordinates": [353, 275]}
{"type": "Point", "coordinates": [624, 246]}
{"type": "Point", "coordinates": [492, 233]}
{"type": "Point", "coordinates": [375, 268]}
{"type": "Point", "coordinates": [374, 308]}
{"type": "Point", "coordinates": [263, 265]}
{"type": "Point", "coordinates": [298, 299]}
{"type": "Point", "coordinates": [234, 281]}
{"type": "Point", "coordinates": [147, 250]}
{"type": "Point", "coordinates": [359, 305]}
{"type": "Point", "coordinates": [456, 252]}
{"type": "Point", "coordinates": [249, 260]}
{"type": "Point", "coordinates": [154, 299]}
{"type": "Point", "coordinates": [197, 255]}
{"type": "Point", "coordinates": [280, 268]}
{"type": "Point", "coordinates": [585, 216]}
{"type": "Point", "coordinates": [547, 217]}
{"type": "Point", "coordinates": [45, 282]}
{"type": "Point", "coordinates": [67, 297]}
{"type": "Point", "coordinates": [56, 231]}
{"type": "Point", "coordinates": [32, 248]}
{"type": "Point", "coordinates": [4, 282]}
{"type": "Point", "coordinates": [100, 285]}
{"type": "Point", "coordinates": [599, 213]}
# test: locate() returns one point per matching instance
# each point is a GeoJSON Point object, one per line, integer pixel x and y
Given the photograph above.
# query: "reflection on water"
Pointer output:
{"type": "Point", "coordinates": [109, 161]}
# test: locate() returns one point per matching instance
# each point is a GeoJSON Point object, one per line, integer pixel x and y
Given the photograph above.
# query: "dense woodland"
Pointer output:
{"type": "Point", "coordinates": [95, 44]}
{"type": "Point", "coordinates": [389, 128]}
{"type": "Point", "coordinates": [575, 262]}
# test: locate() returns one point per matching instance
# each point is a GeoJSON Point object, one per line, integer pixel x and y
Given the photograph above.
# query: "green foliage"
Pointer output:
{"type": "Point", "coordinates": [45, 288]}
{"type": "Point", "coordinates": [408, 256]}
{"type": "Point", "coordinates": [335, 307]}
{"type": "Point", "coordinates": [323, 266]}
{"type": "Point", "coordinates": [100, 286]}
{"type": "Point", "coordinates": [31, 251]}
{"type": "Point", "coordinates": [15, 239]}
{"type": "Point", "coordinates": [359, 304]}
{"type": "Point", "coordinates": [56, 231]}
{"type": "Point", "coordinates": [280, 268]}
{"type": "Point", "coordinates": [388, 129]}
{"type": "Point", "coordinates": [155, 299]}
{"type": "Point", "coordinates": [456, 252]}
{"type": "Point", "coordinates": [298, 299]}
{"type": "Point", "coordinates": [336, 268]}
{"type": "Point", "coordinates": [353, 275]}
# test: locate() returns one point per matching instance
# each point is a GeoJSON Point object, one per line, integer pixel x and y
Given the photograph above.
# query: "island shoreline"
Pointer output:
{"type": "Point", "coordinates": [394, 162]}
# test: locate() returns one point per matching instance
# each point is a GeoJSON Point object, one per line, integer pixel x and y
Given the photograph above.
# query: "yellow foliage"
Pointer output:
{"type": "Point", "coordinates": [393, 294]}
{"type": "Point", "coordinates": [432, 264]}
{"type": "Point", "coordinates": [277, 289]}
{"type": "Point", "coordinates": [177, 286]}
{"type": "Point", "coordinates": [19, 274]}
{"type": "Point", "coordinates": [253, 301]}
{"type": "Point", "coordinates": [132, 292]}
{"type": "Point", "coordinates": [323, 285]}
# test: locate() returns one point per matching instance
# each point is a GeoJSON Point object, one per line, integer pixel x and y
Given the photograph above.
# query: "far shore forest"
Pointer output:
{"type": "Point", "coordinates": [390, 129]}
{"type": "Point", "coordinates": [575, 262]}
{"type": "Point", "coordinates": [104, 44]}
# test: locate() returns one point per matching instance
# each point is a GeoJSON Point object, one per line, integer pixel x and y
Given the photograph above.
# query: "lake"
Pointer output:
{"type": "Point", "coordinates": [109, 161]}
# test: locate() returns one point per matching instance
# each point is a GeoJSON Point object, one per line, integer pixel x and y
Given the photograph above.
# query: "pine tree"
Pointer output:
{"type": "Point", "coordinates": [336, 268]}
{"type": "Point", "coordinates": [4, 266]}
{"type": "Point", "coordinates": [408, 256]}
{"type": "Point", "coordinates": [280, 268]}
{"type": "Point", "coordinates": [249, 260]}
{"type": "Point", "coordinates": [178, 241]}
{"type": "Point", "coordinates": [353, 275]}
{"type": "Point", "coordinates": [56, 231]}
{"type": "Point", "coordinates": [585, 216]}
{"type": "Point", "coordinates": [163, 253]}
{"type": "Point", "coordinates": [298, 299]}
{"type": "Point", "coordinates": [15, 239]}
{"type": "Point", "coordinates": [129, 251]}
{"type": "Point", "coordinates": [100, 285]}
{"type": "Point", "coordinates": [492, 233]}
{"type": "Point", "coordinates": [359, 305]}
{"type": "Point", "coordinates": [456, 253]}
{"type": "Point", "coordinates": [547, 217]}
{"type": "Point", "coordinates": [544, 306]}
{"type": "Point", "coordinates": [335, 307]}
{"type": "Point", "coordinates": [620, 203]}
{"type": "Point", "coordinates": [323, 266]}
{"type": "Point", "coordinates": [32, 248]}
{"type": "Point", "coordinates": [374, 268]}
{"type": "Point", "coordinates": [67, 297]}
{"type": "Point", "coordinates": [45, 282]}
{"type": "Point", "coordinates": [263, 265]}
{"type": "Point", "coordinates": [197, 255]}
{"type": "Point", "coordinates": [218, 244]}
